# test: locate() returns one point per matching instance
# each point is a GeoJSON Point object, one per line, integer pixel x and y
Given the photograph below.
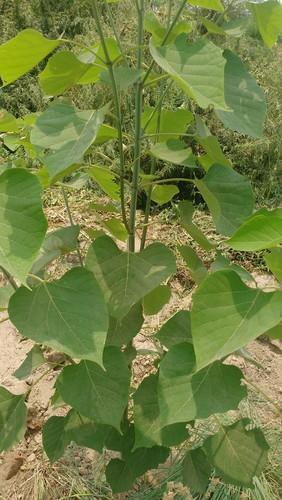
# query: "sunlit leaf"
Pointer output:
{"type": "Point", "coordinates": [22, 221]}
{"type": "Point", "coordinates": [268, 17]}
{"type": "Point", "coordinates": [227, 314]}
{"type": "Point", "coordinates": [69, 314]}
{"type": "Point", "coordinates": [262, 230]}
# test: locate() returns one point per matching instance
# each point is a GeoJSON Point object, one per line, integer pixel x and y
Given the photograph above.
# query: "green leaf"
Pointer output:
{"type": "Point", "coordinates": [116, 228]}
{"type": "Point", "coordinates": [162, 194]}
{"type": "Point", "coordinates": [63, 71]}
{"type": "Point", "coordinates": [229, 197]}
{"type": "Point", "coordinates": [172, 124]}
{"type": "Point", "coordinates": [174, 151]}
{"type": "Point", "coordinates": [268, 17]}
{"type": "Point", "coordinates": [244, 97]}
{"type": "Point", "coordinates": [194, 263]}
{"type": "Point", "coordinates": [5, 294]}
{"type": "Point", "coordinates": [213, 151]}
{"type": "Point", "coordinates": [221, 263]}
{"type": "Point", "coordinates": [22, 221]}
{"type": "Point", "coordinates": [275, 332]}
{"type": "Point", "coordinates": [236, 27]}
{"type": "Point", "coordinates": [13, 414]}
{"type": "Point", "coordinates": [156, 300]}
{"type": "Point", "coordinates": [186, 211]}
{"type": "Point", "coordinates": [227, 315]}
{"type": "Point", "coordinates": [106, 180]}
{"type": "Point", "coordinates": [56, 244]}
{"type": "Point", "coordinates": [176, 330]}
{"type": "Point", "coordinates": [127, 277]}
{"type": "Point", "coordinates": [237, 454]}
{"type": "Point", "coordinates": [33, 360]}
{"type": "Point", "coordinates": [124, 76]}
{"type": "Point", "coordinates": [67, 133]}
{"type": "Point", "coordinates": [20, 54]}
{"type": "Point", "coordinates": [262, 230]}
{"type": "Point", "coordinates": [185, 395]}
{"type": "Point", "coordinates": [105, 392]}
{"type": "Point", "coordinates": [96, 57]}
{"type": "Point", "coordinates": [153, 26]}
{"type": "Point", "coordinates": [105, 133]}
{"type": "Point", "coordinates": [147, 419]}
{"type": "Point", "coordinates": [273, 261]}
{"type": "Point", "coordinates": [69, 314]}
{"type": "Point", "coordinates": [59, 432]}
{"type": "Point", "coordinates": [197, 67]}
{"type": "Point", "coordinates": [8, 123]}
{"type": "Point", "coordinates": [208, 4]}
{"type": "Point", "coordinates": [121, 332]}
{"type": "Point", "coordinates": [212, 27]}
{"type": "Point", "coordinates": [196, 470]}
{"type": "Point", "coordinates": [121, 474]}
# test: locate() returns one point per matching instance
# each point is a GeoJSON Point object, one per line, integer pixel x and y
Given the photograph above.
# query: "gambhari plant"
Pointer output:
{"type": "Point", "coordinates": [94, 311]}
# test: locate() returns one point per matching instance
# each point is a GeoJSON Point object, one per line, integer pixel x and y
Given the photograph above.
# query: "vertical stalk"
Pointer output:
{"type": "Point", "coordinates": [138, 128]}
{"type": "Point", "coordinates": [9, 278]}
{"type": "Point", "coordinates": [109, 63]}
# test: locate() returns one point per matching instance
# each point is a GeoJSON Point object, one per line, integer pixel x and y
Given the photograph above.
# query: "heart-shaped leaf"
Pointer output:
{"type": "Point", "coordinates": [68, 314]}
{"type": "Point", "coordinates": [227, 314]}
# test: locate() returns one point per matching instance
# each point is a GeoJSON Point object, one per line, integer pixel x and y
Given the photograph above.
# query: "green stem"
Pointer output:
{"type": "Point", "coordinates": [71, 222]}
{"type": "Point", "coordinates": [176, 17]}
{"type": "Point", "coordinates": [109, 63]}
{"type": "Point", "coordinates": [113, 26]}
{"type": "Point", "coordinates": [138, 129]}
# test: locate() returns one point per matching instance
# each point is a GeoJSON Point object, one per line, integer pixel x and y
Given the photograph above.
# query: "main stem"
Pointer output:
{"type": "Point", "coordinates": [109, 63]}
{"type": "Point", "coordinates": [138, 129]}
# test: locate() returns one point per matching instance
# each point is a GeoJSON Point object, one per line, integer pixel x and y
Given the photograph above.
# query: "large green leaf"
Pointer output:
{"type": "Point", "coordinates": [268, 16]}
{"type": "Point", "coordinates": [98, 394]}
{"type": "Point", "coordinates": [22, 221]}
{"type": "Point", "coordinates": [170, 125]}
{"type": "Point", "coordinates": [185, 395]}
{"type": "Point", "coordinates": [63, 71]}
{"type": "Point", "coordinates": [147, 419]}
{"type": "Point", "coordinates": [127, 277]}
{"type": "Point", "coordinates": [222, 262]}
{"type": "Point", "coordinates": [274, 262]}
{"type": "Point", "coordinates": [174, 151]}
{"type": "Point", "coordinates": [121, 332]}
{"type": "Point", "coordinates": [208, 4]}
{"type": "Point", "coordinates": [196, 470]}
{"type": "Point", "coordinates": [229, 197]}
{"type": "Point", "coordinates": [244, 97]}
{"type": "Point", "coordinates": [176, 330]}
{"type": "Point", "coordinates": [121, 474]}
{"type": "Point", "coordinates": [197, 67]}
{"type": "Point", "coordinates": [67, 133]}
{"type": "Point", "coordinates": [20, 54]}
{"type": "Point", "coordinates": [13, 414]}
{"type": "Point", "coordinates": [186, 211]}
{"type": "Point", "coordinates": [33, 360]}
{"type": "Point", "coordinates": [59, 432]}
{"type": "Point", "coordinates": [68, 314]}
{"type": "Point", "coordinates": [227, 314]}
{"type": "Point", "coordinates": [237, 454]}
{"type": "Point", "coordinates": [262, 230]}
{"type": "Point", "coordinates": [56, 243]}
